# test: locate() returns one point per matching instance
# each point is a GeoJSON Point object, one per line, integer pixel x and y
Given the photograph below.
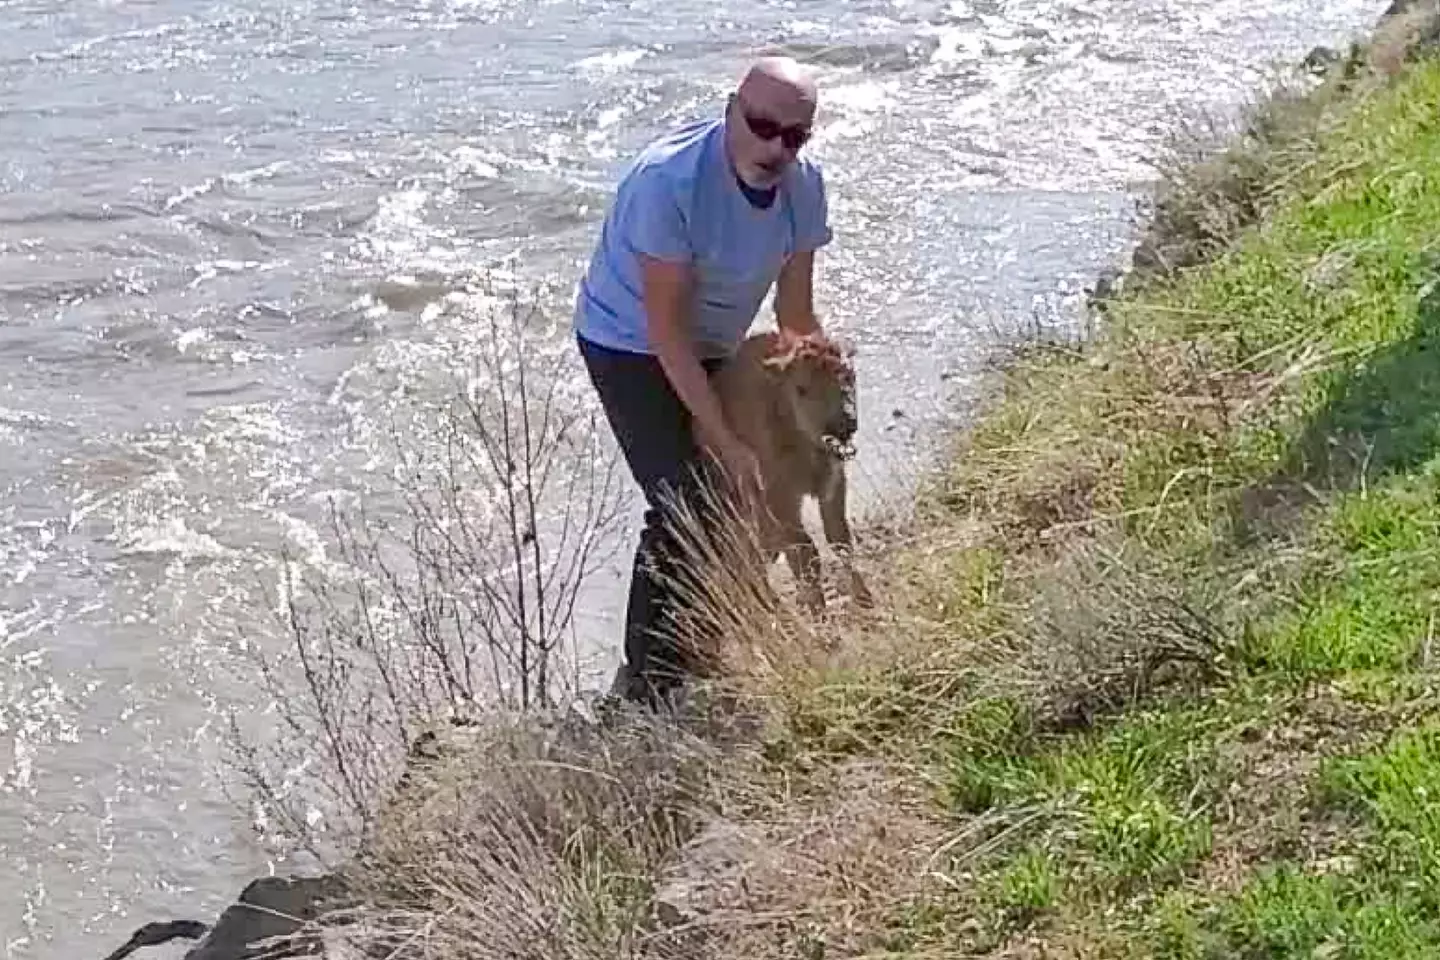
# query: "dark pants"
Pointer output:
{"type": "Point", "coordinates": [653, 428]}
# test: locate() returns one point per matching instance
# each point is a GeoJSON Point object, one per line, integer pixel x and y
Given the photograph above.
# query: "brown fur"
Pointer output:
{"type": "Point", "coordinates": [780, 394]}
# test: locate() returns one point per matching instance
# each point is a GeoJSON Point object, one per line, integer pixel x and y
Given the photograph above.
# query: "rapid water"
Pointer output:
{"type": "Point", "coordinates": [203, 204]}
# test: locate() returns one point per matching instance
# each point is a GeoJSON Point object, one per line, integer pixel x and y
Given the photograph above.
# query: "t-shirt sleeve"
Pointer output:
{"type": "Point", "coordinates": [654, 222]}
{"type": "Point", "coordinates": [812, 217]}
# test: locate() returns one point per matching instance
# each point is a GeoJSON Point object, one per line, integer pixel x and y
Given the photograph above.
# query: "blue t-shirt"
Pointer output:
{"type": "Point", "coordinates": [680, 201]}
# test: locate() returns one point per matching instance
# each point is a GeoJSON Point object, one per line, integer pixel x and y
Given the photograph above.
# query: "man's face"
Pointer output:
{"type": "Point", "coordinates": [767, 130]}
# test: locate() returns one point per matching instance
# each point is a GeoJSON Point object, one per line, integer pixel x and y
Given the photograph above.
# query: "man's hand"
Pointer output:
{"type": "Point", "coordinates": [743, 469]}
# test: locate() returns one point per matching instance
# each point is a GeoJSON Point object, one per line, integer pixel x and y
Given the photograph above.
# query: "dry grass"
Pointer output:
{"type": "Point", "coordinates": [783, 808]}
{"type": "Point", "coordinates": [644, 836]}
{"type": "Point", "coordinates": [1411, 33]}
{"type": "Point", "coordinates": [797, 820]}
{"type": "Point", "coordinates": [628, 833]}
{"type": "Point", "coordinates": [1056, 458]}
{"type": "Point", "coordinates": [530, 839]}
{"type": "Point", "coordinates": [820, 876]}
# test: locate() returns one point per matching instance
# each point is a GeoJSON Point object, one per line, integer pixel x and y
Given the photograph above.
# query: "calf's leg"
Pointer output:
{"type": "Point", "coordinates": [800, 551]}
{"type": "Point", "coordinates": [836, 522]}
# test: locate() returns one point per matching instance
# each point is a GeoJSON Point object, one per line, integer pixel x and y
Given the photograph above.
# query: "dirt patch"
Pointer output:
{"type": "Point", "coordinates": [1270, 811]}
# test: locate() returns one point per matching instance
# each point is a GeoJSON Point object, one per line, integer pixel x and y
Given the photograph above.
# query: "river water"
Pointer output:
{"type": "Point", "coordinates": [203, 203]}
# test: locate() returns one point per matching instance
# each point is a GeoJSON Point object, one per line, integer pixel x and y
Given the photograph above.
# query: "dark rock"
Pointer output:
{"type": "Point", "coordinates": [160, 933]}
{"type": "Point", "coordinates": [1107, 286]}
{"type": "Point", "coordinates": [268, 908]}
{"type": "Point", "coordinates": [1320, 59]}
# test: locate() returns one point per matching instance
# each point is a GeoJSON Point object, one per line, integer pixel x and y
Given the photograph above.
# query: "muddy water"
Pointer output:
{"type": "Point", "coordinates": [203, 203]}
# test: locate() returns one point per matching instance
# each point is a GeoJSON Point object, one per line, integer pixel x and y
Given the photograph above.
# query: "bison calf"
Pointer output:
{"type": "Point", "coordinates": [791, 399]}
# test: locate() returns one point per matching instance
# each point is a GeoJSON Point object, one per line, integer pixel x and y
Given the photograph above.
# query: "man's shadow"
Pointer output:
{"type": "Point", "coordinates": [1381, 417]}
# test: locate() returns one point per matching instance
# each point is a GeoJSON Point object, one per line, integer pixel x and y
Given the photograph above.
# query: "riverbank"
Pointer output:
{"type": "Point", "coordinates": [1155, 675]}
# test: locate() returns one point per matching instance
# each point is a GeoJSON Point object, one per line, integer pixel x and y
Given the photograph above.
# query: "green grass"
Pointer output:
{"type": "Point", "coordinates": [1267, 423]}
{"type": "Point", "coordinates": [1383, 902]}
{"type": "Point", "coordinates": [1396, 793]}
{"type": "Point", "coordinates": [1369, 597]}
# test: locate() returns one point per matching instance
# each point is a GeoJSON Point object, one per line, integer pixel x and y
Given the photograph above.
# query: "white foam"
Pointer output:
{"type": "Point", "coordinates": [210, 269]}
{"type": "Point", "coordinates": [805, 27]}
{"type": "Point", "coordinates": [265, 172]}
{"type": "Point", "coordinates": [31, 717]}
{"type": "Point", "coordinates": [612, 62]}
{"type": "Point", "coordinates": [186, 194]}
{"type": "Point", "coordinates": [192, 337]}
{"type": "Point", "coordinates": [609, 117]}
{"type": "Point", "coordinates": [867, 97]}
{"type": "Point", "coordinates": [957, 45]}
{"type": "Point", "coordinates": [857, 106]}
{"type": "Point", "coordinates": [173, 537]}
{"type": "Point", "coordinates": [475, 162]}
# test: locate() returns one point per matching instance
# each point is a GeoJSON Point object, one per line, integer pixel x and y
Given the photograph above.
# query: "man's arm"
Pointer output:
{"type": "Point", "coordinates": [795, 287]}
{"type": "Point", "coordinates": [795, 295]}
{"type": "Point", "coordinates": [656, 230]}
{"type": "Point", "coordinates": [666, 274]}
{"type": "Point", "coordinates": [666, 286]}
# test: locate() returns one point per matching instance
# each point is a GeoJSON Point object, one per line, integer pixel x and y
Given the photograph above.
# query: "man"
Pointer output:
{"type": "Point", "coordinates": [704, 222]}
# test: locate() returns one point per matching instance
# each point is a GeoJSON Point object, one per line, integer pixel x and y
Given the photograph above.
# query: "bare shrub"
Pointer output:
{"type": "Point", "coordinates": [1104, 630]}
{"type": "Point", "coordinates": [465, 601]}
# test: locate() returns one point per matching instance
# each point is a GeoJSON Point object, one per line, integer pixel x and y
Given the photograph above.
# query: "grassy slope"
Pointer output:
{"type": "Point", "coordinates": [1155, 681]}
{"type": "Point", "coordinates": [1189, 708]}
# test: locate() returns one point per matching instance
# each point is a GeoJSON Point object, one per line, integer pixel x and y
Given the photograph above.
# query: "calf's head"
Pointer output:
{"type": "Point", "coordinates": [817, 386]}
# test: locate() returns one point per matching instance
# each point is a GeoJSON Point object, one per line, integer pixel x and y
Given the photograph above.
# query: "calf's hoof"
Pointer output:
{"type": "Point", "coordinates": [860, 594]}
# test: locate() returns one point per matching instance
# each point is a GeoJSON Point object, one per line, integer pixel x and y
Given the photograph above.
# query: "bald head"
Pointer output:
{"type": "Point", "coordinates": [780, 83]}
{"type": "Point", "coordinates": [769, 119]}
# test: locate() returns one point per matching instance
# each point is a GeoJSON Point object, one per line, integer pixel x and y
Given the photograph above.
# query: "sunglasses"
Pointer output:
{"type": "Point", "coordinates": [766, 129]}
